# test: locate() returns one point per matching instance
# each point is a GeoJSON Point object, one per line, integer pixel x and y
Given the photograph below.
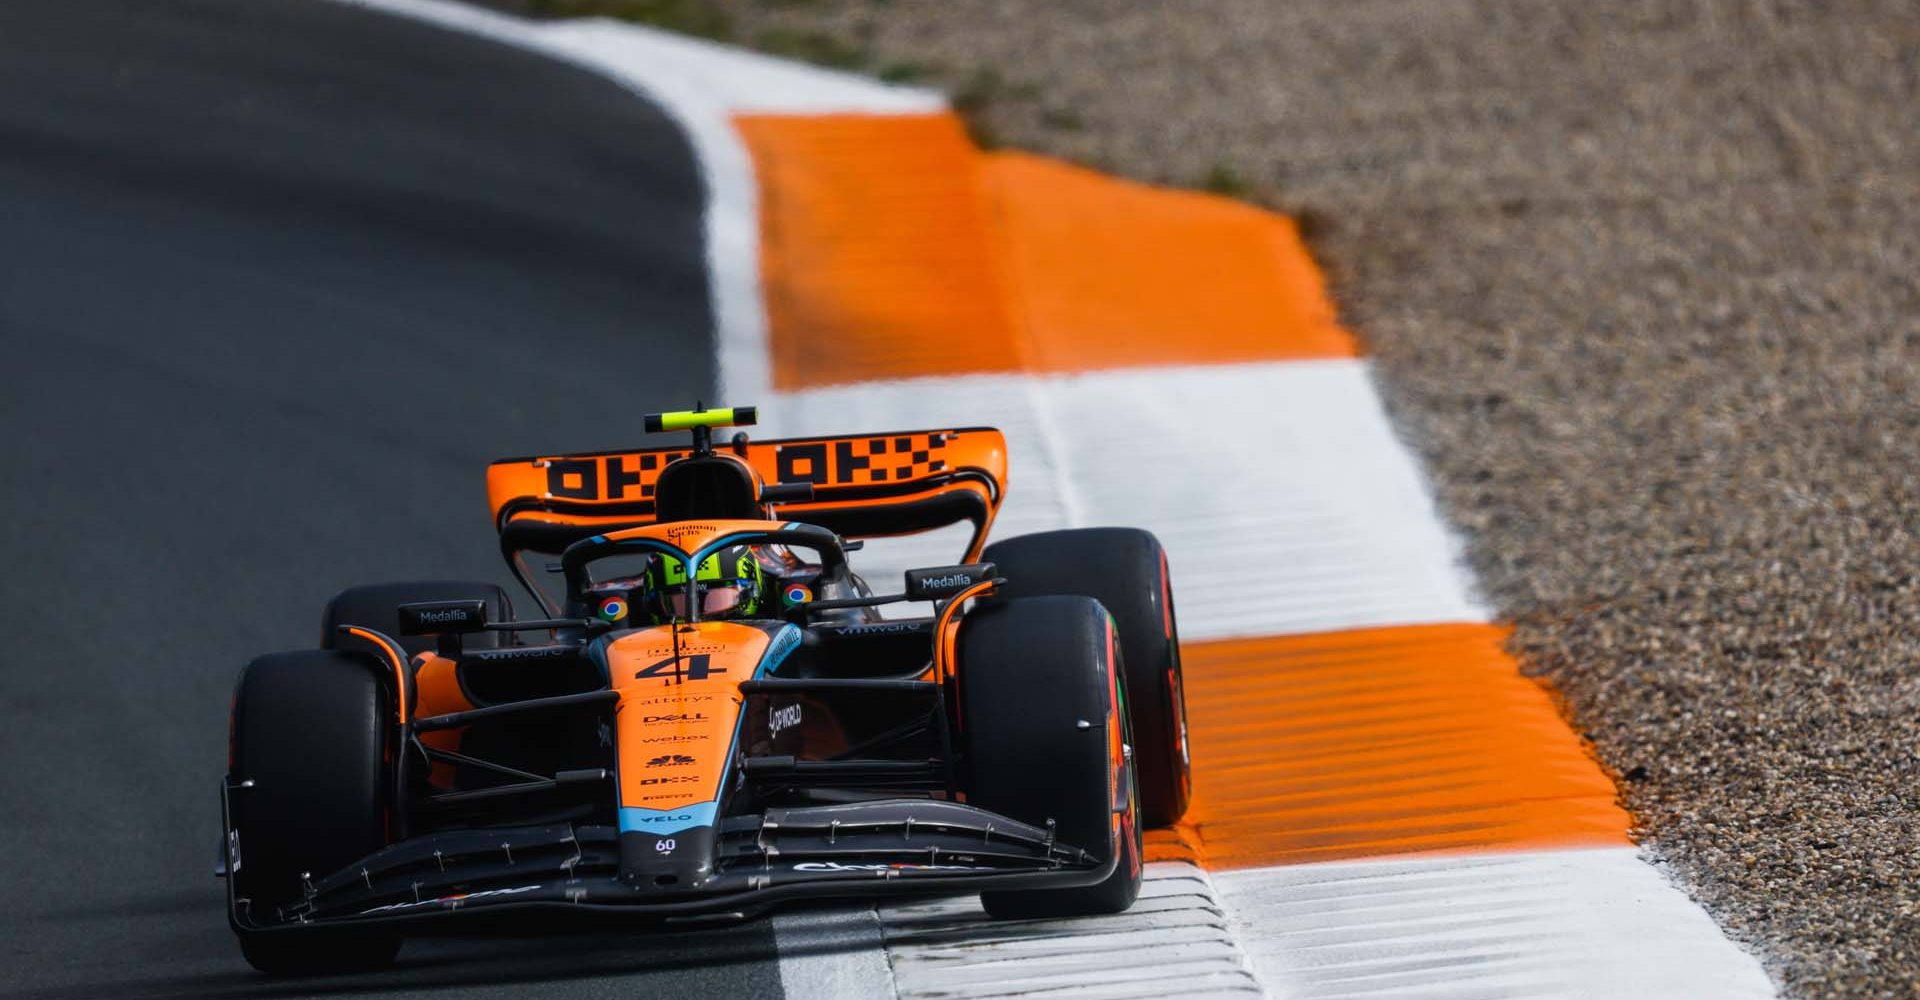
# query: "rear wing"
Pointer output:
{"type": "Point", "coordinates": [862, 486]}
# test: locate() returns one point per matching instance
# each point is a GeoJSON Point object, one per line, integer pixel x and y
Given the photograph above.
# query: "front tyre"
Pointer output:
{"type": "Point", "coordinates": [318, 951]}
{"type": "Point", "coordinates": [1124, 569]}
{"type": "Point", "coordinates": [1044, 725]}
{"type": "Point", "coordinates": [310, 732]}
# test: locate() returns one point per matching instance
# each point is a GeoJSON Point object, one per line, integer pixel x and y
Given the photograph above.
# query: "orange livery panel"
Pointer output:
{"type": "Point", "coordinates": [866, 485]}
{"type": "Point", "coordinates": [678, 712]}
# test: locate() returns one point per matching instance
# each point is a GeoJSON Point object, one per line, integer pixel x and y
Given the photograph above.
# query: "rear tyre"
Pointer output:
{"type": "Point", "coordinates": [377, 607]}
{"type": "Point", "coordinates": [1124, 569]}
{"type": "Point", "coordinates": [1031, 671]}
{"type": "Point", "coordinates": [310, 732]}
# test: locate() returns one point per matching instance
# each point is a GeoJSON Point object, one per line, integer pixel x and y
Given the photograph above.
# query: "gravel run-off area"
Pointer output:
{"type": "Point", "coordinates": [1642, 282]}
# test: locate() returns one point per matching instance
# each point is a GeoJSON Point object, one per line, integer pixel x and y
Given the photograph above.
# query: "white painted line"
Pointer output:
{"type": "Point", "coordinates": [832, 954]}
{"type": "Point", "coordinates": [694, 73]}
{"type": "Point", "coordinates": [1600, 923]}
{"type": "Point", "coordinates": [1284, 500]}
{"type": "Point", "coordinates": [1173, 942]}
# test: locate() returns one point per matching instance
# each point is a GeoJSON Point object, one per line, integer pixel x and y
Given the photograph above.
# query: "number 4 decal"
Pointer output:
{"type": "Point", "coordinates": [697, 667]}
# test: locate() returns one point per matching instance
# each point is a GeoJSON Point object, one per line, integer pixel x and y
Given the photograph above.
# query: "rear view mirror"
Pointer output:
{"type": "Point", "coordinates": [939, 582]}
{"type": "Point", "coordinates": [443, 617]}
{"type": "Point", "coordinates": [786, 493]}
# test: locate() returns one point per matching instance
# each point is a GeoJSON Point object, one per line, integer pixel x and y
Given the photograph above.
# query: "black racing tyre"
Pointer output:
{"type": "Point", "coordinates": [319, 951]}
{"type": "Point", "coordinates": [376, 606]}
{"type": "Point", "coordinates": [310, 732]}
{"type": "Point", "coordinates": [1124, 569]}
{"type": "Point", "coordinates": [1031, 673]}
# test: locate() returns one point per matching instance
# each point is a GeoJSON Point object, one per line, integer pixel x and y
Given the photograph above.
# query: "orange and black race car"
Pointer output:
{"type": "Point", "coordinates": [711, 714]}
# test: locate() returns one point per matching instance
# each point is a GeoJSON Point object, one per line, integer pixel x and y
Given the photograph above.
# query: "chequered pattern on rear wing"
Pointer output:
{"type": "Point", "coordinates": [844, 470]}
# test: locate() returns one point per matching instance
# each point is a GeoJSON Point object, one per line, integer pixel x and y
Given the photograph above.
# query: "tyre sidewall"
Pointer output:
{"type": "Point", "coordinates": [310, 730]}
{"type": "Point", "coordinates": [1031, 672]}
{"type": "Point", "coordinates": [1125, 569]}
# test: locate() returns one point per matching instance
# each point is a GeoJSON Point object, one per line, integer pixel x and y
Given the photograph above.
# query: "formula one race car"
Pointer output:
{"type": "Point", "coordinates": [712, 715]}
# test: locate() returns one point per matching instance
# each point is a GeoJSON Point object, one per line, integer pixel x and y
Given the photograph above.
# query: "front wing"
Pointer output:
{"type": "Point", "coordinates": [889, 847]}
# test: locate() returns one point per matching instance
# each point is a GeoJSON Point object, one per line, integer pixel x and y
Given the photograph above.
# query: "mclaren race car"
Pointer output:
{"type": "Point", "coordinates": [712, 713]}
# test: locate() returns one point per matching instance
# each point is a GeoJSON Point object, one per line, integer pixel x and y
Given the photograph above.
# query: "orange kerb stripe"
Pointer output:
{"type": "Point", "coordinates": [874, 255]}
{"type": "Point", "coordinates": [891, 248]}
{"type": "Point", "coordinates": [1111, 274]}
{"type": "Point", "coordinates": [1384, 741]}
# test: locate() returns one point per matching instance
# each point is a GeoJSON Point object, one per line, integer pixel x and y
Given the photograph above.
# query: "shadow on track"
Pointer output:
{"type": "Point", "coordinates": [435, 965]}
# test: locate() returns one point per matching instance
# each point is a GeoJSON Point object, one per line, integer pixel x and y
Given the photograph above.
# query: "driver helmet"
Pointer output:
{"type": "Point", "coordinates": [728, 584]}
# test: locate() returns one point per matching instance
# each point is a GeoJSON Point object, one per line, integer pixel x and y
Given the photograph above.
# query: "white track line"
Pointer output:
{"type": "Point", "coordinates": [1573, 923]}
{"type": "Point", "coordinates": [1173, 942]}
{"type": "Point", "coordinates": [1284, 500]}
{"type": "Point", "coordinates": [833, 954]}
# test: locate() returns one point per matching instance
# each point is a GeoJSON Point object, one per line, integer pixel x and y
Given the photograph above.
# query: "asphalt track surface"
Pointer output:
{"type": "Point", "coordinates": [276, 280]}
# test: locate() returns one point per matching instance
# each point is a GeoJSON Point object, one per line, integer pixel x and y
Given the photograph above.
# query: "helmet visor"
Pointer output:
{"type": "Point", "coordinates": [717, 597]}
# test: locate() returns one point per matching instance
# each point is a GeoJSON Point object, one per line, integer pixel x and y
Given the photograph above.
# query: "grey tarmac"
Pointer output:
{"type": "Point", "coordinates": [276, 280]}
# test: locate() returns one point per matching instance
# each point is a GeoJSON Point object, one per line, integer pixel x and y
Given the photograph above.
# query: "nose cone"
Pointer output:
{"type": "Point", "coordinates": [665, 862]}
{"type": "Point", "coordinates": [675, 723]}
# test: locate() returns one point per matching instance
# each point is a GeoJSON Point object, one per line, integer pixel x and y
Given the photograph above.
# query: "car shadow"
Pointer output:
{"type": "Point", "coordinates": [683, 962]}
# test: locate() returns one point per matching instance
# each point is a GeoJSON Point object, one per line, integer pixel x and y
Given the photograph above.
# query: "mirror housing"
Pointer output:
{"type": "Point", "coordinates": [443, 617]}
{"type": "Point", "coordinates": [940, 582]}
{"type": "Point", "coordinates": [786, 493]}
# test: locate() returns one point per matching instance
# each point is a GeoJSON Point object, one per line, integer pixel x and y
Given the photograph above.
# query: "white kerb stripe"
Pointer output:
{"type": "Point", "coordinates": [1173, 942]}
{"type": "Point", "coordinates": [1600, 923]}
{"type": "Point", "coordinates": [1284, 500]}
{"type": "Point", "coordinates": [835, 953]}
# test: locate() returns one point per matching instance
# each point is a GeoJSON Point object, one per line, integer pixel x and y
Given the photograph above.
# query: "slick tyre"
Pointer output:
{"type": "Point", "coordinates": [377, 607]}
{"type": "Point", "coordinates": [1044, 720]}
{"type": "Point", "coordinates": [1124, 569]}
{"type": "Point", "coordinates": [310, 732]}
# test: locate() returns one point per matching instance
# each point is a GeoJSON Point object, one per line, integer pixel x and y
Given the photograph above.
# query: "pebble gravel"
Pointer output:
{"type": "Point", "coordinates": [1642, 282]}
